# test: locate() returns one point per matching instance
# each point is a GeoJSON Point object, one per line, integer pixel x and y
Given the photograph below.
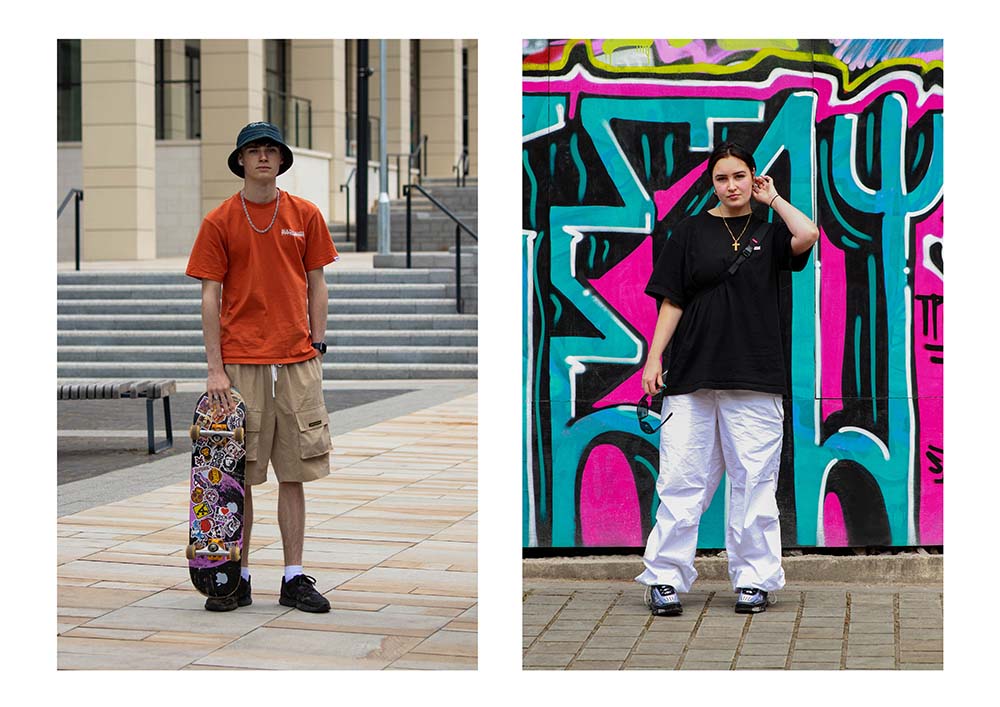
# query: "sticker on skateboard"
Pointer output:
{"type": "Point", "coordinates": [218, 466]}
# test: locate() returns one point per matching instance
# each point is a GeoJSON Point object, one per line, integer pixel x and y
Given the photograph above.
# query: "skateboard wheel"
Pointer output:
{"type": "Point", "coordinates": [234, 554]}
{"type": "Point", "coordinates": [238, 435]}
{"type": "Point", "coordinates": [189, 552]}
{"type": "Point", "coordinates": [195, 432]}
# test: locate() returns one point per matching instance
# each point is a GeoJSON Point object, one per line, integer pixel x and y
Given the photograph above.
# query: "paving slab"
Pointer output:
{"type": "Point", "coordinates": [390, 539]}
{"type": "Point", "coordinates": [811, 627]}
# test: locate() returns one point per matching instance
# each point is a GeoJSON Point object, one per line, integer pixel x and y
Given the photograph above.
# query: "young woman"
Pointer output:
{"type": "Point", "coordinates": [724, 383]}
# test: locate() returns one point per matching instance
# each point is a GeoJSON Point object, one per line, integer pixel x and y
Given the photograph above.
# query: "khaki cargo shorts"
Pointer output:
{"type": "Point", "coordinates": [287, 423]}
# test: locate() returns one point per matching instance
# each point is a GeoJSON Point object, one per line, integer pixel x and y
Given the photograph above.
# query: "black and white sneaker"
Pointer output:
{"type": "Point", "coordinates": [752, 601]}
{"type": "Point", "coordinates": [662, 600]}
{"type": "Point", "coordinates": [300, 593]}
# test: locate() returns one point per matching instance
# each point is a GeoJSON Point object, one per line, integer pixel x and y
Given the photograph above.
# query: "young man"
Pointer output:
{"type": "Point", "coordinates": [260, 257]}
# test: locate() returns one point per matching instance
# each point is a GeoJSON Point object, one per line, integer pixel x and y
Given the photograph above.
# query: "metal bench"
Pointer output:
{"type": "Point", "coordinates": [149, 390]}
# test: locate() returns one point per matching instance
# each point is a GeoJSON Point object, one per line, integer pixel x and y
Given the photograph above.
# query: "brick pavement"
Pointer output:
{"type": "Point", "coordinates": [605, 625]}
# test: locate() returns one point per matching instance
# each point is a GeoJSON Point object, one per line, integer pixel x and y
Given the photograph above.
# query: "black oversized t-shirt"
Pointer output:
{"type": "Point", "coordinates": [728, 338]}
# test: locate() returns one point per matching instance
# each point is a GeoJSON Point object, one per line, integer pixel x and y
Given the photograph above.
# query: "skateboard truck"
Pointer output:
{"type": "Point", "coordinates": [213, 550]}
{"type": "Point", "coordinates": [197, 431]}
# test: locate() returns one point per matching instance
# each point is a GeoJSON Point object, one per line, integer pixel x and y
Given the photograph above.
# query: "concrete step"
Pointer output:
{"type": "Point", "coordinates": [383, 323]}
{"type": "Point", "coordinates": [331, 371]}
{"type": "Point", "coordinates": [442, 337]}
{"type": "Point", "coordinates": [337, 291]}
{"type": "Point", "coordinates": [193, 306]}
{"type": "Point", "coordinates": [334, 276]}
{"type": "Point", "coordinates": [455, 199]}
{"type": "Point", "coordinates": [442, 258]}
{"type": "Point", "coordinates": [159, 355]}
{"type": "Point", "coordinates": [335, 322]}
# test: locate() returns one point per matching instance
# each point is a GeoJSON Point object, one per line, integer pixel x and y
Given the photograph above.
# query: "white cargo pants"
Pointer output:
{"type": "Point", "coordinates": [711, 432]}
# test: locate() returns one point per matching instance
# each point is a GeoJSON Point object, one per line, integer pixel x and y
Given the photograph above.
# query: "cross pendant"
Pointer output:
{"type": "Point", "coordinates": [736, 245]}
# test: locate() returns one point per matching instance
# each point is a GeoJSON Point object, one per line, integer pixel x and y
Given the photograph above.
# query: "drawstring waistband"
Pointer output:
{"type": "Point", "coordinates": [274, 376]}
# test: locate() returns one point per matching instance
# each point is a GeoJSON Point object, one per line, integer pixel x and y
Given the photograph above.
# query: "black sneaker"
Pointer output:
{"type": "Point", "coordinates": [300, 594]}
{"type": "Point", "coordinates": [752, 601]}
{"type": "Point", "coordinates": [662, 600]}
{"type": "Point", "coordinates": [241, 597]}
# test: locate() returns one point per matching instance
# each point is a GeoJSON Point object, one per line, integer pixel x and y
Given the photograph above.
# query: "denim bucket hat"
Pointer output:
{"type": "Point", "coordinates": [253, 133]}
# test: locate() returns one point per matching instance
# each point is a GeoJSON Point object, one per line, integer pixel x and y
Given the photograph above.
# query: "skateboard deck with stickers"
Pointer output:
{"type": "Point", "coordinates": [218, 468]}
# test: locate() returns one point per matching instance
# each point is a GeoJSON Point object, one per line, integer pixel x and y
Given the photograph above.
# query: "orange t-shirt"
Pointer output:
{"type": "Point", "coordinates": [264, 317]}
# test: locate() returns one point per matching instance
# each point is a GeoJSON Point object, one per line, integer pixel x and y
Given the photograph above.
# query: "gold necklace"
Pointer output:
{"type": "Point", "coordinates": [736, 239]}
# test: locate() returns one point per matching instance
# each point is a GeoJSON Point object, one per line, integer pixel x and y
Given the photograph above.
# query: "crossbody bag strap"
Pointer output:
{"type": "Point", "coordinates": [754, 242]}
{"type": "Point", "coordinates": [756, 238]}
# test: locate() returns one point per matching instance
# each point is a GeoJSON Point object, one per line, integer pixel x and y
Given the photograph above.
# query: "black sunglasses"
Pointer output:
{"type": "Point", "coordinates": [642, 411]}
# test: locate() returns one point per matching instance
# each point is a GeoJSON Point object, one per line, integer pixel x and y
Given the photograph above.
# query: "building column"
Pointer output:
{"type": "Point", "coordinates": [119, 158]}
{"type": "Point", "coordinates": [232, 95]}
{"type": "Point", "coordinates": [473, 87]}
{"type": "Point", "coordinates": [441, 103]}
{"type": "Point", "coordinates": [318, 73]}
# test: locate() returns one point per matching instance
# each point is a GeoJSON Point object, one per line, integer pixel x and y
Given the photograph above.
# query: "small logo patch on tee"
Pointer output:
{"type": "Point", "coordinates": [290, 232]}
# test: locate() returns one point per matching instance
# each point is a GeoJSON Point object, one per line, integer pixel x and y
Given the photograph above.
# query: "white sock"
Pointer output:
{"type": "Point", "coordinates": [245, 573]}
{"type": "Point", "coordinates": [292, 571]}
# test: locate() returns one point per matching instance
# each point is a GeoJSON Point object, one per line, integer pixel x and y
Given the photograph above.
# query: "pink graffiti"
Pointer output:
{"type": "Point", "coordinates": [834, 527]}
{"type": "Point", "coordinates": [833, 305]}
{"type": "Point", "coordinates": [621, 287]}
{"type": "Point", "coordinates": [577, 84]}
{"type": "Point", "coordinates": [609, 502]}
{"type": "Point", "coordinates": [698, 51]}
{"type": "Point", "coordinates": [928, 338]}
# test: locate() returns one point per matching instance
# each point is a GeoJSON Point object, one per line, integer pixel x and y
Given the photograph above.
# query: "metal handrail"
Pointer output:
{"type": "Point", "coordinates": [459, 227]}
{"type": "Point", "coordinates": [400, 183]}
{"type": "Point", "coordinates": [291, 114]}
{"type": "Point", "coordinates": [461, 169]}
{"type": "Point", "coordinates": [77, 196]}
{"type": "Point", "coordinates": [346, 186]}
{"type": "Point", "coordinates": [420, 152]}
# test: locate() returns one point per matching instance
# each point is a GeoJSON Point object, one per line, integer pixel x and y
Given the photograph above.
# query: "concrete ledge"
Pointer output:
{"type": "Point", "coordinates": [903, 568]}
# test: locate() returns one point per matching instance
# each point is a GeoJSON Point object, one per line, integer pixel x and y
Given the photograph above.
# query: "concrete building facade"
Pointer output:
{"type": "Point", "coordinates": [145, 127]}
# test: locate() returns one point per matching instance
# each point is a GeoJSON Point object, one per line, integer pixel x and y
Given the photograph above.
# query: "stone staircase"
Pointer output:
{"type": "Point", "coordinates": [432, 236]}
{"type": "Point", "coordinates": [384, 323]}
{"type": "Point", "coordinates": [431, 230]}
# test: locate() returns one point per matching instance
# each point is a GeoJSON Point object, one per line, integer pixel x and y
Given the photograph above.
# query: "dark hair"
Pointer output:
{"type": "Point", "coordinates": [730, 149]}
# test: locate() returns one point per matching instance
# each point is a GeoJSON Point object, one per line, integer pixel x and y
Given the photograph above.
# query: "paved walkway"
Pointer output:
{"type": "Point", "coordinates": [390, 537]}
{"type": "Point", "coordinates": [602, 625]}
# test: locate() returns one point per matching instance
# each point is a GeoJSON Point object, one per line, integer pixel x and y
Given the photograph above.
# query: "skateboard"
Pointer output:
{"type": "Point", "coordinates": [218, 468]}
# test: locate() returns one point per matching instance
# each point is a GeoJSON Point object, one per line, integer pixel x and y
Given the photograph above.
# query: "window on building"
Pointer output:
{"type": "Point", "coordinates": [276, 65]}
{"type": "Point", "coordinates": [192, 74]}
{"type": "Point", "coordinates": [416, 138]}
{"type": "Point", "coordinates": [178, 90]}
{"type": "Point", "coordinates": [465, 100]}
{"type": "Point", "coordinates": [69, 108]}
{"type": "Point", "coordinates": [292, 114]}
{"type": "Point", "coordinates": [351, 67]}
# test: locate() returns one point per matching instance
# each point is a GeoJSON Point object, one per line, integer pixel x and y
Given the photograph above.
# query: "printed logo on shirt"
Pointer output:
{"type": "Point", "coordinates": [290, 232]}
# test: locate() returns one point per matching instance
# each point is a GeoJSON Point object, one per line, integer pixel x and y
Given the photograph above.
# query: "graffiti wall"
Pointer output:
{"type": "Point", "coordinates": [616, 137]}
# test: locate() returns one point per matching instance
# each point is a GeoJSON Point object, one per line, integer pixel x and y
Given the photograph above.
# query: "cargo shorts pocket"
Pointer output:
{"type": "Point", "coordinates": [252, 434]}
{"type": "Point", "coordinates": [314, 432]}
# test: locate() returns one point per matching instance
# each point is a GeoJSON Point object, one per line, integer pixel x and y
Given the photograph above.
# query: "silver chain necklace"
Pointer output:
{"type": "Point", "coordinates": [274, 218]}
